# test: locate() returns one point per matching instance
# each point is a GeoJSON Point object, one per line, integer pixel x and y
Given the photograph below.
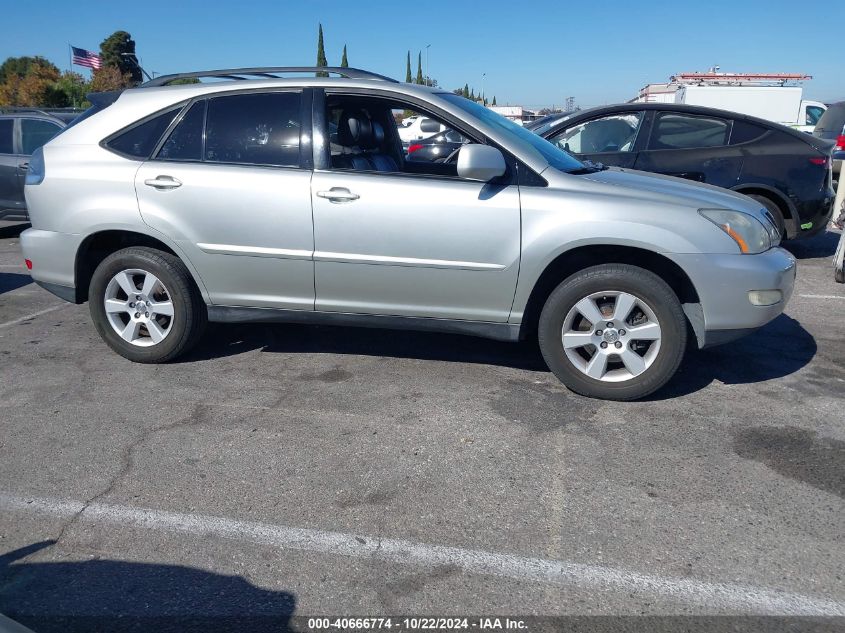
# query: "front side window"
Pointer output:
{"type": "Point", "coordinates": [683, 131]}
{"type": "Point", "coordinates": [373, 134]}
{"type": "Point", "coordinates": [814, 113]}
{"type": "Point", "coordinates": [36, 132]}
{"type": "Point", "coordinates": [614, 133]}
{"type": "Point", "coordinates": [529, 141]}
{"type": "Point", "coordinates": [254, 129]}
{"type": "Point", "coordinates": [140, 140]}
{"type": "Point", "coordinates": [6, 128]}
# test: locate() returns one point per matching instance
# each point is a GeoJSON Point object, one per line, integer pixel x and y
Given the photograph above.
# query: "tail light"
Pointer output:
{"type": "Point", "coordinates": [413, 148]}
{"type": "Point", "coordinates": [820, 161]}
{"type": "Point", "coordinates": [28, 263]}
{"type": "Point", "coordinates": [36, 170]}
{"type": "Point", "coordinates": [840, 143]}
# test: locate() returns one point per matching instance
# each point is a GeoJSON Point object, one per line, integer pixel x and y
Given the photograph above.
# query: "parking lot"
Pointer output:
{"type": "Point", "coordinates": [315, 470]}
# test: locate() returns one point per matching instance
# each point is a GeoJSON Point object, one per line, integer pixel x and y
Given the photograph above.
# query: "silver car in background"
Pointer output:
{"type": "Point", "coordinates": [266, 197]}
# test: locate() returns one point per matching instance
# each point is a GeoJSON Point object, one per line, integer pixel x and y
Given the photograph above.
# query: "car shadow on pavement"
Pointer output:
{"type": "Point", "coordinates": [819, 246]}
{"type": "Point", "coordinates": [228, 339]}
{"type": "Point", "coordinates": [112, 595]}
{"type": "Point", "coordinates": [13, 281]}
{"type": "Point", "coordinates": [779, 349]}
{"type": "Point", "coordinates": [776, 350]}
{"type": "Point", "coordinates": [12, 230]}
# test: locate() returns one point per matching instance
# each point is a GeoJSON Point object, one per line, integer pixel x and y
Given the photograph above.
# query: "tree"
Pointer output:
{"type": "Point", "coordinates": [109, 78]}
{"type": "Point", "coordinates": [408, 78]}
{"type": "Point", "coordinates": [494, 100]}
{"type": "Point", "coordinates": [419, 69]}
{"type": "Point", "coordinates": [118, 51]}
{"type": "Point", "coordinates": [466, 91]}
{"type": "Point", "coordinates": [344, 63]}
{"type": "Point", "coordinates": [35, 88]}
{"type": "Point", "coordinates": [472, 94]}
{"type": "Point", "coordinates": [321, 54]}
{"type": "Point", "coordinates": [20, 66]}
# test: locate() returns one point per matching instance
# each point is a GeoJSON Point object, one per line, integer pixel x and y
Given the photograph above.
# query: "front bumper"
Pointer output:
{"type": "Point", "coordinates": [53, 257]}
{"type": "Point", "coordinates": [723, 283]}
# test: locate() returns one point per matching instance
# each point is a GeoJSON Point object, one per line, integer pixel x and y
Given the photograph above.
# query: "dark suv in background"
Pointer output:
{"type": "Point", "coordinates": [22, 131]}
{"type": "Point", "coordinates": [831, 127]}
{"type": "Point", "coordinates": [787, 171]}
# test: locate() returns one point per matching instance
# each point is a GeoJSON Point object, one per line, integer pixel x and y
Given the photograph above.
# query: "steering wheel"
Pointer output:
{"type": "Point", "coordinates": [453, 156]}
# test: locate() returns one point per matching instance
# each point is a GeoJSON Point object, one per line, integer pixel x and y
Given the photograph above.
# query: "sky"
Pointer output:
{"type": "Point", "coordinates": [534, 54]}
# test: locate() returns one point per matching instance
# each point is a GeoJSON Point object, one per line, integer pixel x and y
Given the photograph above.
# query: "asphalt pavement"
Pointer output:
{"type": "Point", "coordinates": [288, 469]}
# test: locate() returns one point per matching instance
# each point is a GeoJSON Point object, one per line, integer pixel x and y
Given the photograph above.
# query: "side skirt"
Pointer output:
{"type": "Point", "coordinates": [231, 314]}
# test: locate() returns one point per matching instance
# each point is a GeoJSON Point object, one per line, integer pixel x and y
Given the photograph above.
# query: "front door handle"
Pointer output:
{"type": "Point", "coordinates": [163, 182]}
{"type": "Point", "coordinates": [23, 166]}
{"type": "Point", "coordinates": [338, 194]}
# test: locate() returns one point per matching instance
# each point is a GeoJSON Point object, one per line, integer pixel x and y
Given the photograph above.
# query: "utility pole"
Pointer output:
{"type": "Point", "coordinates": [483, 94]}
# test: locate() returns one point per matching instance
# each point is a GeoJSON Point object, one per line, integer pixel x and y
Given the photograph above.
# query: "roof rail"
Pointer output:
{"type": "Point", "coordinates": [269, 72]}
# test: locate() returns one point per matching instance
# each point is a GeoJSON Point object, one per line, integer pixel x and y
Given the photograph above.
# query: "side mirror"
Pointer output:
{"type": "Point", "coordinates": [480, 162]}
{"type": "Point", "coordinates": [429, 126]}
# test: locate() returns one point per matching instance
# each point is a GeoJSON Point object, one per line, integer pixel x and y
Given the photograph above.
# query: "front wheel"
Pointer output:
{"type": "Point", "coordinates": [145, 305]}
{"type": "Point", "coordinates": [614, 331]}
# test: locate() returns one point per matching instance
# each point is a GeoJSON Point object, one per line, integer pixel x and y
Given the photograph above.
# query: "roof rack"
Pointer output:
{"type": "Point", "coordinates": [269, 72]}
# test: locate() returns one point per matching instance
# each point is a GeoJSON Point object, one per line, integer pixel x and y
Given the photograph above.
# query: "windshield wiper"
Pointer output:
{"type": "Point", "coordinates": [589, 167]}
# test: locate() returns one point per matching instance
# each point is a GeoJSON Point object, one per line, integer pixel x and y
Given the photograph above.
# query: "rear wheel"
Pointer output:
{"type": "Point", "coordinates": [613, 331]}
{"type": "Point", "coordinates": [145, 305]}
{"type": "Point", "coordinates": [775, 212]}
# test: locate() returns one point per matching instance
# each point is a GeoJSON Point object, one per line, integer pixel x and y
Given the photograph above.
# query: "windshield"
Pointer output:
{"type": "Point", "coordinates": [555, 156]}
{"type": "Point", "coordinates": [549, 122]}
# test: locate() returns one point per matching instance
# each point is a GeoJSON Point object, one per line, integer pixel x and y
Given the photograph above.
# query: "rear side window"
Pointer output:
{"type": "Point", "coordinates": [253, 129]}
{"type": "Point", "coordinates": [833, 120]}
{"type": "Point", "coordinates": [683, 131]}
{"type": "Point", "coordinates": [140, 140]}
{"type": "Point", "coordinates": [185, 142]}
{"type": "Point", "coordinates": [6, 127]}
{"type": "Point", "coordinates": [743, 132]}
{"type": "Point", "coordinates": [36, 132]}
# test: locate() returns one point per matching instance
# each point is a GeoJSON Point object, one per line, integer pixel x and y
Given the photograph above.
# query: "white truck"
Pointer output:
{"type": "Point", "coordinates": [781, 104]}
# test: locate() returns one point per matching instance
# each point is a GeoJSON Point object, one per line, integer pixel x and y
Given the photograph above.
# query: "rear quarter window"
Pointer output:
{"type": "Point", "coordinates": [833, 120]}
{"type": "Point", "coordinates": [140, 139]}
{"type": "Point", "coordinates": [745, 132]}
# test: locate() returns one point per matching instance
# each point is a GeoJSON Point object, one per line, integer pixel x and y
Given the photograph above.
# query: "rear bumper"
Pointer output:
{"type": "Point", "coordinates": [814, 216]}
{"type": "Point", "coordinates": [53, 257]}
{"type": "Point", "coordinates": [723, 284]}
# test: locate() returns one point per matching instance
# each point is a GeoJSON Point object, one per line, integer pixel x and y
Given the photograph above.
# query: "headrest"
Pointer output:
{"type": "Point", "coordinates": [356, 129]}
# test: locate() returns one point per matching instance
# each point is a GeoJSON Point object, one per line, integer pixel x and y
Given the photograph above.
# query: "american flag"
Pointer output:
{"type": "Point", "coordinates": [81, 57]}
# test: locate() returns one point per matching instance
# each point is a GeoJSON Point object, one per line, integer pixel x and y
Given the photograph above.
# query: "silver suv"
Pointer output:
{"type": "Point", "coordinates": [265, 198]}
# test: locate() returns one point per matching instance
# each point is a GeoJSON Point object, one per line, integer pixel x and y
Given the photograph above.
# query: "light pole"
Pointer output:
{"type": "Point", "coordinates": [483, 94]}
{"type": "Point", "coordinates": [427, 67]}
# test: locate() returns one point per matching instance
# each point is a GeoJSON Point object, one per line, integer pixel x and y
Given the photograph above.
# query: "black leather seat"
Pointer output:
{"type": "Point", "coordinates": [365, 140]}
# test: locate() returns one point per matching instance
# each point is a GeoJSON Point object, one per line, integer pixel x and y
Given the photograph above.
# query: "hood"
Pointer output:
{"type": "Point", "coordinates": [677, 191]}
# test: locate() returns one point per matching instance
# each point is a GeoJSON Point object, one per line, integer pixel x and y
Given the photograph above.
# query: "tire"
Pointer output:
{"type": "Point", "coordinates": [774, 209]}
{"type": "Point", "coordinates": [171, 313]}
{"type": "Point", "coordinates": [645, 301]}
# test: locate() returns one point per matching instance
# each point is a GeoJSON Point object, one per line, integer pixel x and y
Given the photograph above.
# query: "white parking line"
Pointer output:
{"type": "Point", "coordinates": [823, 296]}
{"type": "Point", "coordinates": [31, 316]}
{"type": "Point", "coordinates": [713, 596]}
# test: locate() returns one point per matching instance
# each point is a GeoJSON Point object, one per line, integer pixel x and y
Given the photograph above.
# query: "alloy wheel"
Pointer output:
{"type": "Point", "coordinates": [611, 336]}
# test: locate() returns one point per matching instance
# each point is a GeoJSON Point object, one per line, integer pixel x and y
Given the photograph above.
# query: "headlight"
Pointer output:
{"type": "Point", "coordinates": [746, 230]}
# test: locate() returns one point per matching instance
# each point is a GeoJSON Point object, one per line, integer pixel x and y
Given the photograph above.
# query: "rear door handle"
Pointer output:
{"type": "Point", "coordinates": [23, 166]}
{"type": "Point", "coordinates": [163, 182]}
{"type": "Point", "coordinates": [338, 194]}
